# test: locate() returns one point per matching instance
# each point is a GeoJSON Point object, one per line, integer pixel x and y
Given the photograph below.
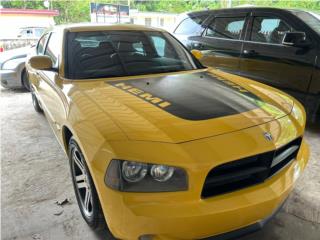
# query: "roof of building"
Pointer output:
{"type": "Point", "coordinates": [16, 11]}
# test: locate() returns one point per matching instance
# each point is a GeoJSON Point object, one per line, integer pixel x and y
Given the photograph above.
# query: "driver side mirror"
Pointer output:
{"type": "Point", "coordinates": [296, 39]}
{"type": "Point", "coordinates": [197, 54]}
{"type": "Point", "coordinates": [40, 63]}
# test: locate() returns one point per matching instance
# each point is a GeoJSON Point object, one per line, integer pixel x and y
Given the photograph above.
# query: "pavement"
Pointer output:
{"type": "Point", "coordinates": [35, 176]}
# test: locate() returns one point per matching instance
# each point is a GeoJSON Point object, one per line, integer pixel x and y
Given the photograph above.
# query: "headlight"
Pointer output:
{"type": "Point", "coordinates": [11, 64]}
{"type": "Point", "coordinates": [133, 171]}
{"type": "Point", "coordinates": [161, 173]}
{"type": "Point", "coordinates": [130, 176]}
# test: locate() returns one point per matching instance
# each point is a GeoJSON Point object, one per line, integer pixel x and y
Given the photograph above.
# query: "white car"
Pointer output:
{"type": "Point", "coordinates": [12, 68]}
{"type": "Point", "coordinates": [31, 32]}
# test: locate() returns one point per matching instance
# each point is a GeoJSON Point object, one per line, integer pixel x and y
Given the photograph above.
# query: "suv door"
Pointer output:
{"type": "Point", "coordinates": [266, 59]}
{"type": "Point", "coordinates": [221, 43]}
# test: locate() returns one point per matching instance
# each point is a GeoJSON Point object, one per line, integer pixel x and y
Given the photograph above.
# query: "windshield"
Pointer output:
{"type": "Point", "coordinates": [311, 19]}
{"type": "Point", "coordinates": [124, 53]}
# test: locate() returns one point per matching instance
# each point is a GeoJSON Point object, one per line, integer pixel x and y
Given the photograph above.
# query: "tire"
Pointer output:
{"type": "Point", "coordinates": [25, 80]}
{"type": "Point", "coordinates": [84, 188]}
{"type": "Point", "coordinates": [36, 104]}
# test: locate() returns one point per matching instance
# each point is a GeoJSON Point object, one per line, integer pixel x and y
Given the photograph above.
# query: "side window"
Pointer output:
{"type": "Point", "coordinates": [226, 27]}
{"type": "Point", "coordinates": [138, 47]}
{"type": "Point", "coordinates": [191, 25]}
{"type": "Point", "coordinates": [159, 44]}
{"type": "Point", "coordinates": [52, 49]}
{"type": "Point", "coordinates": [269, 30]}
{"type": "Point", "coordinates": [41, 44]}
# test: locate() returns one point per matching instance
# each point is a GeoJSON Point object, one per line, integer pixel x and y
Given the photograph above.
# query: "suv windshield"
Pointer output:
{"type": "Point", "coordinates": [124, 53]}
{"type": "Point", "coordinates": [312, 19]}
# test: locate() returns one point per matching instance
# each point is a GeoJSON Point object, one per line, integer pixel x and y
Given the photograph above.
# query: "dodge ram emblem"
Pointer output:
{"type": "Point", "coordinates": [268, 136]}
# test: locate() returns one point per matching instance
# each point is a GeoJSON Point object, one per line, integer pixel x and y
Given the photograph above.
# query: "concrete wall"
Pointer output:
{"type": "Point", "coordinates": [10, 23]}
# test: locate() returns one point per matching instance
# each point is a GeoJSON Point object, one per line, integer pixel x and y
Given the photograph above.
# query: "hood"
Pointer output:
{"type": "Point", "coordinates": [187, 106]}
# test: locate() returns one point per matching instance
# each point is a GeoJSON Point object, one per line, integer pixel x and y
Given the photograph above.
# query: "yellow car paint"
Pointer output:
{"type": "Point", "coordinates": [109, 122]}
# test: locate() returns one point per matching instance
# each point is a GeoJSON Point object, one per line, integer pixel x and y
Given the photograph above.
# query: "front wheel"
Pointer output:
{"type": "Point", "coordinates": [35, 103]}
{"type": "Point", "coordinates": [84, 188]}
{"type": "Point", "coordinates": [25, 80]}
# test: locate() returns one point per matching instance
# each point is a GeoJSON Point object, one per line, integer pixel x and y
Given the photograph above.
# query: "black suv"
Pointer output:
{"type": "Point", "coordinates": [275, 46]}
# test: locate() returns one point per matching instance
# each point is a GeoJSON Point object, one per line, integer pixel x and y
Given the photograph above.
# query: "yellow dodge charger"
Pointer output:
{"type": "Point", "coordinates": [159, 146]}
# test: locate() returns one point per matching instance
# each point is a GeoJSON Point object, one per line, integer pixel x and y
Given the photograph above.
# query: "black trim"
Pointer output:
{"type": "Point", "coordinates": [192, 96]}
{"type": "Point", "coordinates": [250, 171]}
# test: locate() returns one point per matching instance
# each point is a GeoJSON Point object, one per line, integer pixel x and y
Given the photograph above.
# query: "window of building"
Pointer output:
{"type": "Point", "coordinates": [147, 21]}
{"type": "Point", "coordinates": [161, 22]}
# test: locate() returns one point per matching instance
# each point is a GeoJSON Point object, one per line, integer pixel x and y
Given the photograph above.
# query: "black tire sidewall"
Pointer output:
{"type": "Point", "coordinates": [95, 220]}
{"type": "Point", "coordinates": [35, 103]}
{"type": "Point", "coordinates": [25, 80]}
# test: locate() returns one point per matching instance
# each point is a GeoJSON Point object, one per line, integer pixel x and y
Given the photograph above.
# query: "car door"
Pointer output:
{"type": "Point", "coordinates": [50, 88]}
{"type": "Point", "coordinates": [221, 43]}
{"type": "Point", "coordinates": [266, 59]}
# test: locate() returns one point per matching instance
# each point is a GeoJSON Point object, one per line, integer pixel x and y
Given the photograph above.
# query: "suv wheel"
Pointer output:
{"type": "Point", "coordinates": [84, 188]}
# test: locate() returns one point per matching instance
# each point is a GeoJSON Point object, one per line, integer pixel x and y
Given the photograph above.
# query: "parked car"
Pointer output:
{"type": "Point", "coordinates": [31, 32]}
{"type": "Point", "coordinates": [159, 146]}
{"type": "Point", "coordinates": [277, 47]}
{"type": "Point", "coordinates": [12, 68]}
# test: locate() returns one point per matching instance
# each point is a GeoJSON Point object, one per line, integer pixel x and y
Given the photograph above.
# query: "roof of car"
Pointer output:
{"type": "Point", "coordinates": [83, 27]}
{"type": "Point", "coordinates": [234, 9]}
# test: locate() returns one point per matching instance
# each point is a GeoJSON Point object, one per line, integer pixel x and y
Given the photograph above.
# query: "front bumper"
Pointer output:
{"type": "Point", "coordinates": [10, 78]}
{"type": "Point", "coordinates": [181, 216]}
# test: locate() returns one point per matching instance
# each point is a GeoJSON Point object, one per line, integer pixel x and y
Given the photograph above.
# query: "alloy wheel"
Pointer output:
{"type": "Point", "coordinates": [82, 184]}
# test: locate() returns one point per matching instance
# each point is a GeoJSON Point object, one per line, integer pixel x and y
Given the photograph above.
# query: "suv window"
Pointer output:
{"type": "Point", "coordinates": [310, 18]}
{"type": "Point", "coordinates": [226, 27]}
{"type": "Point", "coordinates": [52, 49]}
{"type": "Point", "coordinates": [269, 30]}
{"type": "Point", "coordinates": [41, 44]}
{"type": "Point", "coordinates": [191, 25]}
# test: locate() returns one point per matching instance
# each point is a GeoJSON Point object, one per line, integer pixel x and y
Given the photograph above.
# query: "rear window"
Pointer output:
{"type": "Point", "coordinates": [191, 25]}
{"type": "Point", "coordinates": [124, 53]}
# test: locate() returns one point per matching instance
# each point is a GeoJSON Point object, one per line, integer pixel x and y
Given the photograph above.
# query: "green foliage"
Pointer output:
{"type": "Point", "coordinates": [79, 10]}
{"type": "Point", "coordinates": [72, 11]}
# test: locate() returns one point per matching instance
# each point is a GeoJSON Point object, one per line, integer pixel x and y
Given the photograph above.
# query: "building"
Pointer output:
{"type": "Point", "coordinates": [154, 19]}
{"type": "Point", "coordinates": [11, 20]}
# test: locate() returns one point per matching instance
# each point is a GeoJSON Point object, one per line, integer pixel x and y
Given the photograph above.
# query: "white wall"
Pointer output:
{"type": "Point", "coordinates": [10, 24]}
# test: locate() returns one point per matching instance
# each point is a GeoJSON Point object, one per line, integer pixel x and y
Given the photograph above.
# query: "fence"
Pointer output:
{"type": "Point", "coordinates": [8, 44]}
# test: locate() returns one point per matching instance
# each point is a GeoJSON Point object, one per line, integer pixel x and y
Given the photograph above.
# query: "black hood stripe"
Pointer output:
{"type": "Point", "coordinates": [195, 96]}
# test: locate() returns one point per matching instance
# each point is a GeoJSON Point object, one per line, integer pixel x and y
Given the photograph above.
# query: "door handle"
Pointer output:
{"type": "Point", "coordinates": [250, 52]}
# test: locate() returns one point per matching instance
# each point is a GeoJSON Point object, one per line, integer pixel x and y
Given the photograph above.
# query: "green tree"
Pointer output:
{"type": "Point", "coordinates": [72, 11]}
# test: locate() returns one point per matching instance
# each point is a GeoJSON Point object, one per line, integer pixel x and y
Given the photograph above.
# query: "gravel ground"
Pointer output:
{"type": "Point", "coordinates": [35, 174]}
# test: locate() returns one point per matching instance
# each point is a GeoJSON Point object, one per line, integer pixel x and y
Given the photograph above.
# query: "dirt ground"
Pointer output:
{"type": "Point", "coordinates": [35, 174]}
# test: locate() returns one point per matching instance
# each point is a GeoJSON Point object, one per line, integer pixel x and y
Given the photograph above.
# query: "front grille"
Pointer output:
{"type": "Point", "coordinates": [249, 171]}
